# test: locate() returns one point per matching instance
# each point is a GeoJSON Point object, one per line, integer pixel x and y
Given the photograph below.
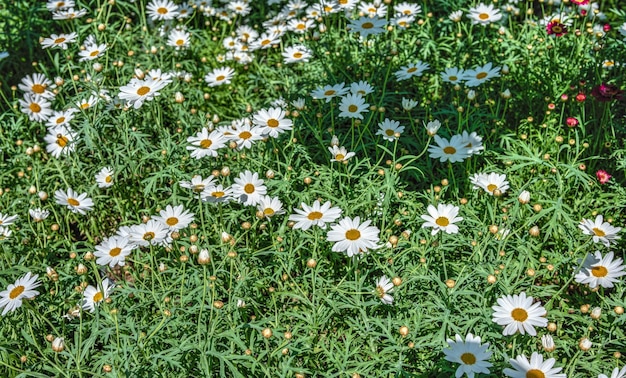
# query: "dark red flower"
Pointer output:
{"type": "Point", "coordinates": [606, 92]}
{"type": "Point", "coordinates": [556, 28]}
{"type": "Point", "coordinates": [571, 122]}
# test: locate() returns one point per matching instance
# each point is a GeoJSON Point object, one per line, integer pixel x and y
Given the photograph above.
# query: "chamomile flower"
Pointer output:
{"type": "Point", "coordinates": [473, 142]}
{"type": "Point", "coordinates": [353, 237]}
{"type": "Point", "coordinates": [217, 194]}
{"type": "Point", "coordinates": [410, 70]}
{"type": "Point", "coordinates": [59, 41]}
{"type": "Point", "coordinates": [152, 232]}
{"type": "Point", "coordinates": [602, 232]}
{"type": "Point", "coordinates": [328, 92]}
{"type": "Point", "coordinates": [104, 178]}
{"type": "Point", "coordinates": [481, 74]}
{"type": "Point", "coordinates": [407, 9]}
{"type": "Point", "coordinates": [470, 354]}
{"type": "Point", "coordinates": [388, 129]}
{"type": "Point", "coordinates": [197, 183]}
{"type": "Point", "coordinates": [617, 373]}
{"type": "Point", "coordinates": [55, 5]}
{"type": "Point", "coordinates": [518, 313]}
{"type": "Point", "coordinates": [179, 39]}
{"type": "Point", "coordinates": [270, 206]}
{"type": "Point", "coordinates": [175, 218]}
{"type": "Point", "coordinates": [77, 203]}
{"type": "Point", "coordinates": [23, 288]}
{"type": "Point", "coordinates": [296, 53]}
{"type": "Point", "coordinates": [249, 188]}
{"type": "Point", "coordinates": [272, 121]}
{"type": "Point", "coordinates": [352, 106]}
{"type": "Point", "coordinates": [490, 182]}
{"type": "Point", "coordinates": [452, 75]}
{"type": "Point", "coordinates": [5, 233]}
{"type": "Point", "coordinates": [60, 141]}
{"type": "Point", "coordinates": [453, 150]}
{"type": "Point", "coordinates": [36, 84]}
{"type": "Point", "coordinates": [205, 143]}
{"type": "Point", "coordinates": [408, 104]}
{"type": "Point", "coordinates": [367, 26]}
{"type": "Point", "coordinates": [38, 214]}
{"type": "Point", "coordinates": [265, 41]}
{"type": "Point", "coordinates": [93, 296]}
{"type": "Point", "coordinates": [432, 127]}
{"type": "Point", "coordinates": [138, 91]}
{"type": "Point", "coordinates": [7, 220]}
{"type": "Point", "coordinates": [442, 218]}
{"type": "Point", "coordinates": [315, 215]}
{"type": "Point", "coordinates": [536, 367]}
{"type": "Point", "coordinates": [299, 26]}
{"type": "Point", "coordinates": [384, 286]}
{"type": "Point", "coordinates": [600, 271]}
{"type": "Point", "coordinates": [362, 88]}
{"type": "Point", "coordinates": [68, 14]}
{"type": "Point", "coordinates": [162, 10]}
{"type": "Point", "coordinates": [245, 134]}
{"type": "Point", "coordinates": [62, 118]}
{"type": "Point", "coordinates": [113, 251]}
{"type": "Point", "coordinates": [36, 107]}
{"type": "Point", "coordinates": [239, 7]}
{"type": "Point", "coordinates": [376, 8]}
{"type": "Point", "coordinates": [219, 76]}
{"type": "Point", "coordinates": [340, 154]}
{"type": "Point", "coordinates": [484, 14]}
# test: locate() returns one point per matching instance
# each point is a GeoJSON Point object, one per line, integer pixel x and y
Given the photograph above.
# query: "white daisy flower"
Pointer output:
{"type": "Point", "coordinates": [93, 296]}
{"type": "Point", "coordinates": [296, 53]}
{"type": "Point", "coordinates": [388, 129]}
{"type": "Point", "coordinates": [245, 134]}
{"type": "Point", "coordinates": [328, 92]}
{"type": "Point", "coordinates": [5, 233]}
{"type": "Point", "coordinates": [59, 41]}
{"type": "Point", "coordinates": [315, 215]}
{"type": "Point", "coordinates": [38, 214]}
{"type": "Point", "coordinates": [600, 271]}
{"type": "Point", "coordinates": [23, 288]}
{"type": "Point", "coordinates": [55, 5]}
{"type": "Point", "coordinates": [384, 286]}
{"type": "Point", "coordinates": [470, 354]}
{"type": "Point", "coordinates": [518, 314]}
{"type": "Point", "coordinates": [617, 373]}
{"type": "Point", "coordinates": [197, 183]}
{"type": "Point", "coordinates": [602, 232]}
{"type": "Point", "coordinates": [410, 70]}
{"type": "Point", "coordinates": [217, 194]}
{"type": "Point", "coordinates": [36, 107]}
{"type": "Point", "coordinates": [60, 141]}
{"type": "Point", "coordinates": [452, 151]}
{"type": "Point", "coordinates": [272, 121]}
{"type": "Point", "coordinates": [473, 142]}
{"type": "Point", "coordinates": [442, 218]}
{"type": "Point", "coordinates": [179, 39]}
{"type": "Point", "coordinates": [352, 106]}
{"type": "Point", "coordinates": [361, 88]}
{"type": "Point", "coordinates": [205, 143]}
{"type": "Point", "coordinates": [340, 154]}
{"type": "Point", "coordinates": [113, 251]}
{"type": "Point", "coordinates": [219, 76]}
{"type": "Point", "coordinates": [62, 118]}
{"type": "Point", "coordinates": [453, 75]}
{"type": "Point", "coordinates": [408, 104]}
{"type": "Point", "coordinates": [68, 14]}
{"type": "Point", "coordinates": [36, 84]}
{"type": "Point", "coordinates": [138, 91]}
{"type": "Point", "coordinates": [407, 9]}
{"type": "Point", "coordinates": [77, 203]}
{"type": "Point", "coordinates": [249, 188]}
{"type": "Point", "coordinates": [536, 367]}
{"type": "Point", "coordinates": [484, 14]}
{"type": "Point", "coordinates": [353, 237]}
{"type": "Point", "coordinates": [152, 232]}
{"type": "Point", "coordinates": [175, 218]}
{"type": "Point", "coordinates": [104, 178]}
{"type": "Point", "coordinates": [7, 220]}
{"type": "Point", "coordinates": [367, 26]}
{"type": "Point", "coordinates": [91, 49]}
{"type": "Point", "coordinates": [479, 75]}
{"type": "Point", "coordinates": [162, 10]}
{"type": "Point", "coordinates": [270, 206]}
{"type": "Point", "coordinates": [490, 182]}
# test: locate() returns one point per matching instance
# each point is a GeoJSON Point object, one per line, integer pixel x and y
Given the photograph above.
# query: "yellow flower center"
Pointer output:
{"type": "Point", "coordinates": [367, 25]}
{"type": "Point", "coordinates": [314, 215]}
{"type": "Point", "coordinates": [297, 55]}
{"type": "Point", "coordinates": [73, 202]}
{"type": "Point", "coordinates": [218, 194]}
{"type": "Point", "coordinates": [329, 92]}
{"type": "Point", "coordinates": [84, 105]}
{"type": "Point", "coordinates": [389, 132]}
{"type": "Point", "coordinates": [115, 251]}
{"type": "Point", "coordinates": [268, 211]}
{"type": "Point", "coordinates": [272, 123]}
{"type": "Point", "coordinates": [599, 271]}
{"type": "Point", "coordinates": [339, 157]}
{"type": "Point", "coordinates": [598, 232]}
{"type": "Point", "coordinates": [406, 12]}
{"type": "Point", "coordinates": [171, 221]}
{"type": "Point", "coordinates": [62, 140]}
{"type": "Point", "coordinates": [149, 236]}
{"type": "Point", "coordinates": [60, 120]}
{"type": "Point", "coordinates": [180, 42]}
{"type": "Point", "coordinates": [98, 297]}
{"type": "Point", "coordinates": [94, 53]}
{"type": "Point", "coordinates": [453, 78]}
{"type": "Point", "coordinates": [519, 314]}
{"type": "Point", "coordinates": [442, 221]}
{"type": "Point", "coordinates": [245, 135]}
{"type": "Point", "coordinates": [59, 40]}
{"type": "Point", "coordinates": [34, 107]}
{"type": "Point", "coordinates": [353, 108]}
{"type": "Point", "coordinates": [265, 42]}
{"type": "Point", "coordinates": [300, 26]}
{"type": "Point", "coordinates": [16, 291]}
{"type": "Point", "coordinates": [143, 91]}
{"type": "Point", "coordinates": [449, 150]}
{"type": "Point", "coordinates": [481, 75]}
{"type": "Point", "coordinates": [535, 373]}
{"type": "Point", "coordinates": [206, 143]}
{"type": "Point", "coordinates": [38, 88]}
{"type": "Point", "coordinates": [162, 10]}
{"type": "Point", "coordinates": [483, 16]}
{"type": "Point", "coordinates": [380, 292]}
{"type": "Point", "coordinates": [108, 179]}
{"type": "Point", "coordinates": [411, 70]}
{"type": "Point", "coordinates": [468, 358]}
{"type": "Point", "coordinates": [491, 187]}
{"type": "Point", "coordinates": [249, 188]}
{"type": "Point", "coordinates": [353, 234]}
{"type": "Point", "coordinates": [220, 78]}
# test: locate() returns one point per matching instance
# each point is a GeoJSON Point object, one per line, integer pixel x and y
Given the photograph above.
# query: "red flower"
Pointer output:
{"type": "Point", "coordinates": [603, 176]}
{"type": "Point", "coordinates": [571, 122]}
{"type": "Point", "coordinates": [580, 2]}
{"type": "Point", "coordinates": [606, 92]}
{"type": "Point", "coordinates": [581, 97]}
{"type": "Point", "coordinates": [556, 28]}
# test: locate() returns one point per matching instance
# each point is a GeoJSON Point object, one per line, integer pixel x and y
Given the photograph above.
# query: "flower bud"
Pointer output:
{"type": "Point", "coordinates": [203, 257]}
{"type": "Point", "coordinates": [547, 343]}
{"type": "Point", "coordinates": [584, 344]}
{"type": "Point", "coordinates": [524, 197]}
{"type": "Point", "coordinates": [58, 344]}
